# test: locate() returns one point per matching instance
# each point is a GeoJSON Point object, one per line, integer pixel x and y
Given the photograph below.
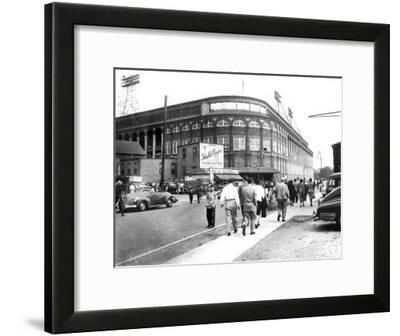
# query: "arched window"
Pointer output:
{"type": "Point", "coordinates": [168, 130]}
{"type": "Point", "coordinates": [208, 124]}
{"type": "Point", "coordinates": [222, 123]}
{"type": "Point", "coordinates": [186, 127]}
{"type": "Point", "coordinates": [119, 136]}
{"type": "Point", "coordinates": [175, 129]}
{"type": "Point", "coordinates": [196, 125]}
{"type": "Point", "coordinates": [239, 123]}
{"type": "Point", "coordinates": [254, 124]}
{"type": "Point", "coordinates": [266, 126]}
{"type": "Point", "coordinates": [126, 137]}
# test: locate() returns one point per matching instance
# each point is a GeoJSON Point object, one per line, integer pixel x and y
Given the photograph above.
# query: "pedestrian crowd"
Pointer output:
{"type": "Point", "coordinates": [251, 198]}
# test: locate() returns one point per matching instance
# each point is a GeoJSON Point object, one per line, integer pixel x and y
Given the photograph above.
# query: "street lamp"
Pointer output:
{"type": "Point", "coordinates": [320, 164]}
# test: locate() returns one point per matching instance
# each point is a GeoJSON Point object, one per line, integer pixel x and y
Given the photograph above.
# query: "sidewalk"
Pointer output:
{"type": "Point", "coordinates": [225, 249]}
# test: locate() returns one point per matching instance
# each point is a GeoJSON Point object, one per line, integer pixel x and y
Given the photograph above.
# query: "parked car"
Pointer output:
{"type": "Point", "coordinates": [334, 181]}
{"type": "Point", "coordinates": [148, 199]}
{"type": "Point", "coordinates": [171, 187]}
{"type": "Point", "coordinates": [329, 208]}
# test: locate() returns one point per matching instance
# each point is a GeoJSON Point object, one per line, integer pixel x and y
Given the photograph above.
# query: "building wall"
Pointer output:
{"type": "Point", "coordinates": [188, 159]}
{"type": "Point", "coordinates": [150, 170]}
{"type": "Point", "coordinates": [266, 138]}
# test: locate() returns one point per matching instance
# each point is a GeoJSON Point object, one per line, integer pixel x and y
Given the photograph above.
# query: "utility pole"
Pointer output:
{"type": "Point", "coordinates": [162, 180]}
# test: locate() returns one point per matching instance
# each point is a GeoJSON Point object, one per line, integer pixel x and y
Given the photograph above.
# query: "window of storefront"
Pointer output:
{"type": "Point", "coordinates": [186, 127]}
{"type": "Point", "coordinates": [175, 129]}
{"type": "Point", "coordinates": [266, 144]}
{"type": "Point", "coordinates": [175, 145]}
{"type": "Point", "coordinates": [194, 154]}
{"type": "Point", "coordinates": [223, 140]}
{"type": "Point", "coordinates": [239, 142]}
{"type": "Point", "coordinates": [254, 143]}
{"type": "Point", "coordinates": [208, 139]}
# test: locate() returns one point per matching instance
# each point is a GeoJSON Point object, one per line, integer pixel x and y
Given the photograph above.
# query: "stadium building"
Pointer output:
{"type": "Point", "coordinates": [258, 140]}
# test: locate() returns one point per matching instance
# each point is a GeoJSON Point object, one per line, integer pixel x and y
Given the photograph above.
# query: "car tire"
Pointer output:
{"type": "Point", "coordinates": [142, 206]}
{"type": "Point", "coordinates": [169, 203]}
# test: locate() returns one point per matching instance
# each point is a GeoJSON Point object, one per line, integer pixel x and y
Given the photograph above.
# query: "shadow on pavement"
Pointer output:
{"type": "Point", "coordinates": [328, 227]}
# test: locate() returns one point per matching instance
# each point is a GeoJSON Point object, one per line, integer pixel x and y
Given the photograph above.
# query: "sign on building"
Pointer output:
{"type": "Point", "coordinates": [211, 156]}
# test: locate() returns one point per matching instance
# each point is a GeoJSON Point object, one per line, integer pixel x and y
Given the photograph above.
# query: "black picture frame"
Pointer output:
{"type": "Point", "coordinates": [60, 19]}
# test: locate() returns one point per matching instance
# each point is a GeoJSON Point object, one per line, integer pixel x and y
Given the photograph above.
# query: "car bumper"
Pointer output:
{"type": "Point", "coordinates": [130, 206]}
{"type": "Point", "coordinates": [327, 216]}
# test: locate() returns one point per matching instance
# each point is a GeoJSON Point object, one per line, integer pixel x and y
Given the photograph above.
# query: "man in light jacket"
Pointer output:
{"type": "Point", "coordinates": [248, 200]}
{"type": "Point", "coordinates": [282, 195]}
{"type": "Point", "coordinates": [230, 200]}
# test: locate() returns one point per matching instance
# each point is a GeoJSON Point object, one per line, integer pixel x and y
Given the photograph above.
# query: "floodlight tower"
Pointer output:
{"type": "Point", "coordinates": [128, 103]}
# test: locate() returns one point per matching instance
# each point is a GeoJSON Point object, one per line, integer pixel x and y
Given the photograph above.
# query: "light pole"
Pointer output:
{"type": "Point", "coordinates": [320, 164]}
{"type": "Point", "coordinates": [162, 180]}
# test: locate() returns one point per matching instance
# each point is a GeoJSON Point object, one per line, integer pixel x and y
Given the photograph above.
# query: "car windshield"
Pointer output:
{"type": "Point", "coordinates": [335, 182]}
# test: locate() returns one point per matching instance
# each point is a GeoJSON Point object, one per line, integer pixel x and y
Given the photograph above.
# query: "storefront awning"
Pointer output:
{"type": "Point", "coordinates": [229, 177]}
{"type": "Point", "coordinates": [259, 170]}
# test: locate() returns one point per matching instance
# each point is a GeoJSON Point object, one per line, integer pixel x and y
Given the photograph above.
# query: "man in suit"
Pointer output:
{"type": "Point", "coordinates": [248, 199]}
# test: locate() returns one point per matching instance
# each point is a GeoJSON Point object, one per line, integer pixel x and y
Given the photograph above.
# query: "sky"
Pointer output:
{"type": "Point", "coordinates": [304, 95]}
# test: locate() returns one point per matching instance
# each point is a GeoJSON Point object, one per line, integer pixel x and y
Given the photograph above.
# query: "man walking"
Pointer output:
{"type": "Point", "coordinates": [230, 200]}
{"type": "Point", "coordinates": [261, 201]}
{"type": "Point", "coordinates": [296, 188]}
{"type": "Point", "coordinates": [210, 204]}
{"type": "Point", "coordinates": [198, 193]}
{"type": "Point", "coordinates": [244, 184]}
{"type": "Point", "coordinates": [190, 192]}
{"type": "Point", "coordinates": [310, 190]}
{"type": "Point", "coordinates": [249, 201]}
{"type": "Point", "coordinates": [120, 196]}
{"type": "Point", "coordinates": [282, 195]}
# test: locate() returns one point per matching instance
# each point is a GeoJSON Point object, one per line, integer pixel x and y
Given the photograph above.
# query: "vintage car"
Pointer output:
{"type": "Point", "coordinates": [148, 199]}
{"type": "Point", "coordinates": [329, 208]}
{"type": "Point", "coordinates": [333, 182]}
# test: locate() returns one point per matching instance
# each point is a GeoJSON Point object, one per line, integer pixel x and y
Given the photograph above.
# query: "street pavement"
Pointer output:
{"type": "Point", "coordinates": [228, 248]}
{"type": "Point", "coordinates": [138, 233]}
{"type": "Point", "coordinates": [178, 235]}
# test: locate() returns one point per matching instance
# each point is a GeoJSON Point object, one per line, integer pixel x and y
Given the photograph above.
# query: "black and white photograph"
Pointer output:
{"type": "Point", "coordinates": [215, 167]}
